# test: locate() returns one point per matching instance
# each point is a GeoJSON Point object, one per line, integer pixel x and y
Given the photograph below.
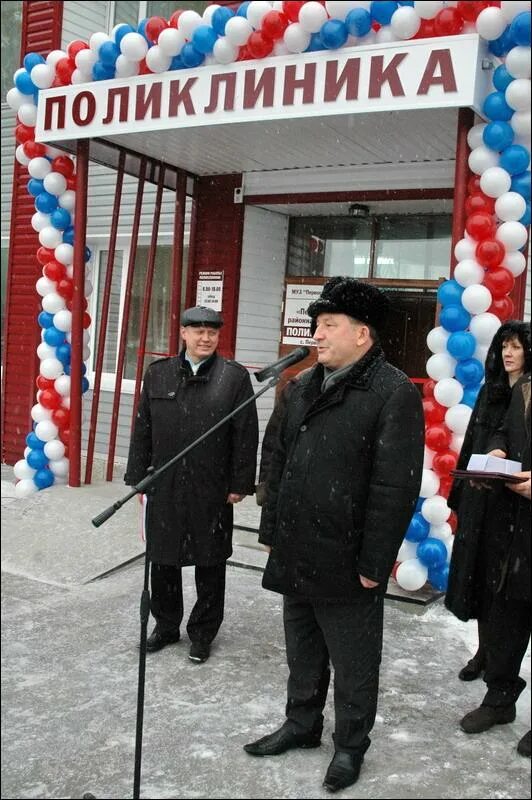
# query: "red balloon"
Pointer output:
{"type": "Point", "coordinates": [86, 320]}
{"type": "Point", "coordinates": [490, 253]}
{"type": "Point", "coordinates": [61, 417]}
{"type": "Point", "coordinates": [428, 388]}
{"type": "Point", "coordinates": [64, 69]}
{"type": "Point", "coordinates": [502, 307]}
{"type": "Point", "coordinates": [433, 411]}
{"type": "Point", "coordinates": [244, 54]}
{"type": "Point", "coordinates": [44, 383]}
{"type": "Point", "coordinates": [443, 463]}
{"type": "Point", "coordinates": [479, 202]}
{"type": "Point", "coordinates": [394, 569]}
{"type": "Point", "coordinates": [50, 399]}
{"type": "Point", "coordinates": [292, 8]}
{"type": "Point", "coordinates": [65, 288]}
{"type": "Point", "coordinates": [473, 185]}
{"type": "Point", "coordinates": [448, 22]}
{"type": "Point", "coordinates": [499, 281]}
{"type": "Point", "coordinates": [65, 437]}
{"type": "Point", "coordinates": [438, 437]}
{"type": "Point", "coordinates": [426, 29]}
{"type": "Point", "coordinates": [76, 47]}
{"type": "Point", "coordinates": [84, 304]}
{"type": "Point", "coordinates": [44, 255]}
{"type": "Point", "coordinates": [469, 9]}
{"type": "Point", "coordinates": [259, 46]}
{"type": "Point", "coordinates": [23, 133]}
{"type": "Point", "coordinates": [446, 483]}
{"type": "Point", "coordinates": [481, 226]}
{"type": "Point", "coordinates": [154, 27]}
{"type": "Point", "coordinates": [54, 270]}
{"type": "Point", "coordinates": [274, 24]}
{"type": "Point", "coordinates": [173, 22]}
{"type": "Point", "coordinates": [143, 68]}
{"type": "Point", "coordinates": [64, 165]}
{"type": "Point", "coordinates": [33, 149]}
{"type": "Point", "coordinates": [453, 521]}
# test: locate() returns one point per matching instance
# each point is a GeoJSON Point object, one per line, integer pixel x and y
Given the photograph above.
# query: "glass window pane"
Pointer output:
{"type": "Point", "coordinates": [415, 247]}
{"type": "Point", "coordinates": [11, 29]}
{"type": "Point", "coordinates": [329, 246]}
{"type": "Point", "coordinates": [160, 8]}
{"type": "Point", "coordinates": [126, 11]}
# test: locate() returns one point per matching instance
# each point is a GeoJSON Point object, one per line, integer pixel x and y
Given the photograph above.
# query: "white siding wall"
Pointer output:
{"type": "Point", "coordinates": [526, 312]}
{"type": "Point", "coordinates": [8, 159]}
{"type": "Point", "coordinates": [81, 20]}
{"type": "Point", "coordinates": [261, 294]}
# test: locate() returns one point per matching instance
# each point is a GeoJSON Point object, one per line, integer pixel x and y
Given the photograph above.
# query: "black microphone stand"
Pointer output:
{"type": "Point", "coordinates": [140, 488]}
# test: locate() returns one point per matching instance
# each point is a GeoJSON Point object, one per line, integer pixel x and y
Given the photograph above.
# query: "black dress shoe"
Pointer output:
{"type": "Point", "coordinates": [199, 652]}
{"type": "Point", "coordinates": [288, 737]}
{"type": "Point", "coordinates": [159, 639]}
{"type": "Point", "coordinates": [485, 717]}
{"type": "Point", "coordinates": [524, 745]}
{"type": "Point", "coordinates": [343, 771]}
{"type": "Point", "coordinates": [473, 669]}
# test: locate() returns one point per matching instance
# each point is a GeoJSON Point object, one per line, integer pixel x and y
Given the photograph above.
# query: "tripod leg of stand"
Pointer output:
{"type": "Point", "coordinates": [144, 616]}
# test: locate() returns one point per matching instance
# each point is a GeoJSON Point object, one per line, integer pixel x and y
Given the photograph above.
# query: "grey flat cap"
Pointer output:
{"type": "Point", "coordinates": [200, 315]}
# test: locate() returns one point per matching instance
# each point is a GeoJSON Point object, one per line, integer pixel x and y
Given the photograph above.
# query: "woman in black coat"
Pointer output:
{"type": "Point", "coordinates": [475, 561]}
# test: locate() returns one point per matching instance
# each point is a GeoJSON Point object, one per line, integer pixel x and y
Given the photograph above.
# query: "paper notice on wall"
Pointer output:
{"type": "Point", "coordinates": [296, 322]}
{"type": "Point", "coordinates": [209, 290]}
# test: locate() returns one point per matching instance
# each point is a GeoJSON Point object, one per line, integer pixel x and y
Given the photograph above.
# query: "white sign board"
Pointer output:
{"type": "Point", "coordinates": [296, 322]}
{"type": "Point", "coordinates": [209, 290]}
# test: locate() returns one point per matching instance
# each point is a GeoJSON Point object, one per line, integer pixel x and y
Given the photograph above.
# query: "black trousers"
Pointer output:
{"type": "Point", "coordinates": [348, 636]}
{"type": "Point", "coordinates": [508, 633]}
{"type": "Point", "coordinates": [167, 600]}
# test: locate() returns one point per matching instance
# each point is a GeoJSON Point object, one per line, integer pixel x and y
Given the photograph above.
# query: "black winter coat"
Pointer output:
{"type": "Point", "coordinates": [343, 480]}
{"type": "Point", "coordinates": [188, 518]}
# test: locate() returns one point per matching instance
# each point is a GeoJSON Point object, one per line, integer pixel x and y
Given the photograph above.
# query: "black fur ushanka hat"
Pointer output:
{"type": "Point", "coordinates": [362, 301]}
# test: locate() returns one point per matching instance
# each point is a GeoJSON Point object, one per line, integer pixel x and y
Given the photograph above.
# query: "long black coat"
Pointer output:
{"type": "Point", "coordinates": [188, 519]}
{"type": "Point", "coordinates": [343, 480]}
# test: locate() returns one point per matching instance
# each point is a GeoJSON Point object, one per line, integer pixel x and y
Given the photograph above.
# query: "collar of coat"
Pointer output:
{"type": "Point", "coordinates": [359, 376]}
{"type": "Point", "coordinates": [202, 374]}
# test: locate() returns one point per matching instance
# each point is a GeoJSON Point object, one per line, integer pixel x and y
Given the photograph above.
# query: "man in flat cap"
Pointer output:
{"type": "Point", "coordinates": [342, 485]}
{"type": "Point", "coordinates": [189, 519]}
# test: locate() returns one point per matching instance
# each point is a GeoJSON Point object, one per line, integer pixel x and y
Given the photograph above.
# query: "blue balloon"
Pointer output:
{"type": "Point", "coordinates": [496, 107]}
{"type": "Point", "coordinates": [24, 83]}
{"type": "Point", "coordinates": [418, 528]}
{"type": "Point", "coordinates": [519, 29]}
{"type": "Point", "coordinates": [526, 218]}
{"type": "Point", "coordinates": [88, 254]}
{"type": "Point", "coordinates": [334, 34]}
{"type": "Point", "coordinates": [461, 345]}
{"type": "Point", "coordinates": [45, 319]}
{"type": "Point", "coordinates": [204, 39]}
{"type": "Point", "coordinates": [46, 202]}
{"type": "Point", "coordinates": [454, 318]}
{"type": "Point", "coordinates": [498, 135]}
{"type": "Point", "coordinates": [515, 159]}
{"type": "Point", "coordinates": [521, 184]}
{"type": "Point", "coordinates": [33, 441]}
{"type": "Point", "coordinates": [53, 336]}
{"type": "Point", "coordinates": [432, 552]}
{"type": "Point", "coordinates": [35, 186]}
{"type": "Point", "coordinates": [315, 43]}
{"type": "Point", "coordinates": [191, 57]}
{"type": "Point", "coordinates": [121, 32]}
{"type": "Point", "coordinates": [31, 60]}
{"type": "Point", "coordinates": [469, 372]}
{"type": "Point", "coordinates": [63, 353]}
{"type": "Point", "coordinates": [68, 235]}
{"type": "Point", "coordinates": [358, 22]}
{"type": "Point", "coordinates": [220, 18]}
{"type": "Point", "coordinates": [67, 369]}
{"type": "Point", "coordinates": [406, 3]}
{"type": "Point", "coordinates": [176, 63]}
{"type": "Point", "coordinates": [102, 72]}
{"type": "Point", "coordinates": [141, 28]}
{"type": "Point", "coordinates": [44, 478]}
{"type": "Point", "coordinates": [108, 53]}
{"type": "Point", "coordinates": [450, 292]}
{"type": "Point", "coordinates": [85, 385]}
{"type": "Point", "coordinates": [242, 10]}
{"type": "Point", "coordinates": [502, 78]}
{"type": "Point", "coordinates": [470, 395]}
{"type": "Point", "coordinates": [382, 11]}
{"type": "Point", "coordinates": [419, 503]}
{"type": "Point", "coordinates": [60, 219]}
{"type": "Point", "coordinates": [499, 47]}
{"type": "Point", "coordinates": [439, 577]}
{"type": "Point", "coordinates": [37, 458]}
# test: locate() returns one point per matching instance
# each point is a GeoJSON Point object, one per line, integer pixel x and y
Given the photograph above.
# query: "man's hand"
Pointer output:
{"type": "Point", "coordinates": [235, 498]}
{"type": "Point", "coordinates": [267, 548]}
{"type": "Point", "coordinates": [367, 583]}
{"type": "Point", "coordinates": [497, 453]}
{"type": "Point", "coordinates": [522, 488]}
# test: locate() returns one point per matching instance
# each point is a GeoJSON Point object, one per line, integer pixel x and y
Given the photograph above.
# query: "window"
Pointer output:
{"type": "Point", "coordinates": [159, 8]}
{"type": "Point", "coordinates": [11, 14]}
{"type": "Point", "coordinates": [413, 248]}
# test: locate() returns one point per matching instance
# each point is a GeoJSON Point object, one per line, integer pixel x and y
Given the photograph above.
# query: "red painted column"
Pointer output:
{"type": "Point", "coordinates": [462, 174]}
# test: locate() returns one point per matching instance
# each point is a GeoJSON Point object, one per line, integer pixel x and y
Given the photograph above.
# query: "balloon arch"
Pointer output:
{"type": "Point", "coordinates": [490, 257]}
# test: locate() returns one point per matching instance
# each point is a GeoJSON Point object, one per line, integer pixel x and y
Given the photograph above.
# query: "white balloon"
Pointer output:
{"type": "Point", "coordinates": [510, 206]}
{"type": "Point", "coordinates": [407, 550]}
{"type": "Point", "coordinates": [312, 16]}
{"type": "Point", "coordinates": [457, 418]}
{"type": "Point", "coordinates": [63, 320]}
{"type": "Point", "coordinates": [53, 303]}
{"type": "Point", "coordinates": [15, 99]}
{"type": "Point", "coordinates": [256, 11]}
{"type": "Point", "coordinates": [189, 21]}
{"type": "Point", "coordinates": [171, 41]}
{"type": "Point", "coordinates": [405, 22]}
{"type": "Point", "coordinates": [476, 299]}
{"type": "Point", "coordinates": [444, 532]}
{"type": "Point", "coordinates": [441, 365]}
{"type": "Point", "coordinates": [25, 488]}
{"type": "Point", "coordinates": [428, 9]}
{"type": "Point", "coordinates": [88, 288]}
{"type": "Point", "coordinates": [59, 467]}
{"type": "Point", "coordinates": [39, 221]}
{"type": "Point", "coordinates": [511, 8]}
{"type": "Point", "coordinates": [521, 123]}
{"type": "Point", "coordinates": [475, 135]}
{"type": "Point", "coordinates": [279, 48]}
{"type": "Point", "coordinates": [54, 449]}
{"type": "Point", "coordinates": [45, 351]}
{"type": "Point", "coordinates": [495, 181]}
{"type": "Point", "coordinates": [435, 510]}
{"type": "Point", "coordinates": [513, 235]}
{"type": "Point", "coordinates": [437, 338]}
{"type": "Point", "coordinates": [51, 368]}
{"type": "Point", "coordinates": [484, 327]}
{"type": "Point", "coordinates": [134, 46]}
{"type": "Point", "coordinates": [39, 167]}
{"type": "Point", "coordinates": [62, 385]}
{"type": "Point", "coordinates": [64, 253]}
{"type": "Point", "coordinates": [339, 9]}
{"type": "Point", "coordinates": [295, 38]}
{"type": "Point", "coordinates": [54, 56]}
{"type": "Point", "coordinates": [67, 200]}
{"type": "Point", "coordinates": [55, 183]}
{"type": "Point", "coordinates": [23, 471]}
{"type": "Point", "coordinates": [491, 23]}
{"type": "Point", "coordinates": [97, 39]}
{"type": "Point", "coordinates": [430, 483]}
{"type": "Point", "coordinates": [411, 575]}
{"type": "Point", "coordinates": [157, 61]}
{"type": "Point", "coordinates": [385, 35]}
{"type": "Point", "coordinates": [38, 413]}
{"type": "Point", "coordinates": [448, 392]}
{"type": "Point", "coordinates": [515, 262]}
{"type": "Point", "coordinates": [482, 158]}
{"type": "Point", "coordinates": [428, 458]}
{"type": "Point", "coordinates": [207, 14]}
{"type": "Point", "coordinates": [44, 286]}
{"type": "Point", "coordinates": [46, 430]}
{"type": "Point", "coordinates": [85, 60]}
{"type": "Point", "coordinates": [517, 62]}
{"type": "Point", "coordinates": [50, 237]}
{"type": "Point", "coordinates": [465, 249]}
{"type": "Point", "coordinates": [224, 52]}
{"type": "Point", "coordinates": [43, 75]}
{"type": "Point", "coordinates": [468, 272]}
{"type": "Point", "coordinates": [125, 68]}
{"type": "Point", "coordinates": [27, 114]}
{"type": "Point", "coordinates": [456, 443]}
{"type": "Point", "coordinates": [518, 94]}
{"type": "Point", "coordinates": [21, 156]}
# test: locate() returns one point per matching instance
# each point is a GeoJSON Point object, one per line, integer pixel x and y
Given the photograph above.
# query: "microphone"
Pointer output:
{"type": "Point", "coordinates": [282, 363]}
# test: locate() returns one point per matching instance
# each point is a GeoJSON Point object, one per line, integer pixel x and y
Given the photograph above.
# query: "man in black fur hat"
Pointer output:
{"type": "Point", "coordinates": [342, 485]}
